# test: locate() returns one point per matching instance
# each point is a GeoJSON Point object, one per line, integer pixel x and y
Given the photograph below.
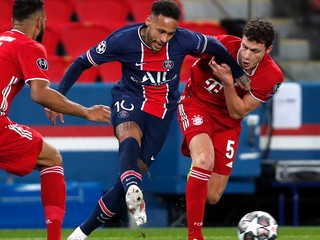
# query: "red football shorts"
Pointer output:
{"type": "Point", "coordinates": [196, 117]}
{"type": "Point", "coordinates": [20, 147]}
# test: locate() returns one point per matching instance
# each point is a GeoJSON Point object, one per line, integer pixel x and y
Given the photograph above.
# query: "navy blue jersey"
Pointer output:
{"type": "Point", "coordinates": [150, 77]}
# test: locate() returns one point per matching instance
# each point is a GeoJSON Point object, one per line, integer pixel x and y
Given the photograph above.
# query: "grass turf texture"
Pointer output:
{"type": "Point", "coordinates": [226, 233]}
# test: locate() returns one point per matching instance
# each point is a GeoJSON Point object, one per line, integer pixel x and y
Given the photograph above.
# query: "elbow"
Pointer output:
{"type": "Point", "coordinates": [38, 97]}
{"type": "Point", "coordinates": [236, 116]}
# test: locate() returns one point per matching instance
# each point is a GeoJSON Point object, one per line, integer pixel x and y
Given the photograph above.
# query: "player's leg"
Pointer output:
{"type": "Point", "coordinates": [107, 207]}
{"type": "Point", "coordinates": [24, 151]}
{"type": "Point", "coordinates": [216, 186]}
{"type": "Point", "coordinates": [196, 124]}
{"type": "Point", "coordinates": [202, 153]}
{"type": "Point", "coordinates": [129, 136]}
{"type": "Point", "coordinates": [226, 145]}
{"type": "Point", "coordinates": [129, 123]}
{"type": "Point", "coordinates": [53, 189]}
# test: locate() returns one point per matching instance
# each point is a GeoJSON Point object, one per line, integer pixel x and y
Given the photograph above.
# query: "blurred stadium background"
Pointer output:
{"type": "Point", "coordinates": [278, 165]}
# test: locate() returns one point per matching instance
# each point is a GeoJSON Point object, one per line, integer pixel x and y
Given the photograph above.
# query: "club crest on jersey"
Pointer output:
{"type": "Point", "coordinates": [123, 114]}
{"type": "Point", "coordinates": [197, 120]}
{"type": "Point", "coordinates": [42, 63]}
{"type": "Point", "coordinates": [101, 48]}
{"type": "Point", "coordinates": [168, 64]}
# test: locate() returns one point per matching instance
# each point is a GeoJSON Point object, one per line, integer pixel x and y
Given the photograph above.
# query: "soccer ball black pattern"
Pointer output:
{"type": "Point", "coordinates": [257, 225]}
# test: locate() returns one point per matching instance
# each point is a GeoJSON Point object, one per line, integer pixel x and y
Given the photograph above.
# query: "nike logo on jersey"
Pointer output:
{"type": "Point", "coordinates": [140, 64]}
{"type": "Point", "coordinates": [153, 158]}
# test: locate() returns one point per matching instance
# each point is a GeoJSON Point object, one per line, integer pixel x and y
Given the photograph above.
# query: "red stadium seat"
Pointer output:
{"type": "Point", "coordinates": [77, 38]}
{"type": "Point", "coordinates": [6, 14]}
{"type": "Point", "coordinates": [111, 13]}
{"type": "Point", "coordinates": [59, 64]}
{"type": "Point", "coordinates": [140, 9]}
{"type": "Point", "coordinates": [205, 27]}
{"type": "Point", "coordinates": [58, 12]}
{"type": "Point", "coordinates": [110, 72]}
{"type": "Point", "coordinates": [51, 39]}
{"type": "Point", "coordinates": [185, 68]}
{"type": "Point", "coordinates": [314, 5]}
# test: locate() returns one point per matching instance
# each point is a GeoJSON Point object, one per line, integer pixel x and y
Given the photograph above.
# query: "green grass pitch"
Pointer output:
{"type": "Point", "coordinates": [225, 233]}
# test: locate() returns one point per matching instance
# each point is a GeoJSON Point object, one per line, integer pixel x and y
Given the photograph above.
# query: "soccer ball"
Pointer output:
{"type": "Point", "coordinates": [257, 225]}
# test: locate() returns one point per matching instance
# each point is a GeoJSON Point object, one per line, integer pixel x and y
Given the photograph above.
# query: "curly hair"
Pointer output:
{"type": "Point", "coordinates": [167, 8]}
{"type": "Point", "coordinates": [23, 9]}
{"type": "Point", "coordinates": [260, 30]}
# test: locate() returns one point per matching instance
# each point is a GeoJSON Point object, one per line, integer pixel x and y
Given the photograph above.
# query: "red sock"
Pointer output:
{"type": "Point", "coordinates": [53, 196]}
{"type": "Point", "coordinates": [196, 193]}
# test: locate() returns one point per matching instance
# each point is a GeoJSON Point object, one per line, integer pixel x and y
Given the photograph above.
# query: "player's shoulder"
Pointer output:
{"type": "Point", "coordinates": [182, 32]}
{"type": "Point", "coordinates": [228, 39]}
{"type": "Point", "coordinates": [269, 65]}
{"type": "Point", "coordinates": [22, 41]}
{"type": "Point", "coordinates": [130, 28]}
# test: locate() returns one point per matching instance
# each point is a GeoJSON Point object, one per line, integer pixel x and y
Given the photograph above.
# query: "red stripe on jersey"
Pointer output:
{"type": "Point", "coordinates": [154, 61]}
{"type": "Point", "coordinates": [156, 98]}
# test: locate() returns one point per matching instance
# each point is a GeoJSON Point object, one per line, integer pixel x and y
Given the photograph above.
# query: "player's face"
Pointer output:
{"type": "Point", "coordinates": [251, 53]}
{"type": "Point", "coordinates": [159, 31]}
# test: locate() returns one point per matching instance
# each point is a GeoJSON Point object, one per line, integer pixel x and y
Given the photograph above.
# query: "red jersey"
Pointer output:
{"type": "Point", "coordinates": [265, 78]}
{"type": "Point", "coordinates": [21, 59]}
{"type": "Point", "coordinates": [203, 107]}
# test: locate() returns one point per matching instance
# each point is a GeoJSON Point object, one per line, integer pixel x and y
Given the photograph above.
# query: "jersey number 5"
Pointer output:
{"type": "Point", "coordinates": [230, 149]}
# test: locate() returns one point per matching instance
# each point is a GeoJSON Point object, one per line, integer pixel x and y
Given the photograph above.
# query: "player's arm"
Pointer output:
{"type": "Point", "coordinates": [222, 55]}
{"type": "Point", "coordinates": [42, 94]}
{"type": "Point", "coordinates": [72, 74]}
{"type": "Point", "coordinates": [238, 107]}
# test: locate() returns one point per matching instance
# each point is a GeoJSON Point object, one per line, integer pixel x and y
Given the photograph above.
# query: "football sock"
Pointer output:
{"type": "Point", "coordinates": [53, 196]}
{"type": "Point", "coordinates": [196, 193]}
{"type": "Point", "coordinates": [108, 205]}
{"type": "Point", "coordinates": [130, 173]}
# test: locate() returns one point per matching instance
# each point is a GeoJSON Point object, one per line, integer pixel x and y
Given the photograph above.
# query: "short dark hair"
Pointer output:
{"type": "Point", "coordinates": [260, 30]}
{"type": "Point", "coordinates": [167, 8]}
{"type": "Point", "coordinates": [23, 9]}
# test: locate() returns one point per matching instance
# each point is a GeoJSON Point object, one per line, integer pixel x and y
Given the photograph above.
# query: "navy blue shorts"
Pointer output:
{"type": "Point", "coordinates": [155, 130]}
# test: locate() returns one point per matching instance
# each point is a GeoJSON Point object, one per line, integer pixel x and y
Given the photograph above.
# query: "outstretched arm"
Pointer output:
{"type": "Point", "coordinates": [42, 94]}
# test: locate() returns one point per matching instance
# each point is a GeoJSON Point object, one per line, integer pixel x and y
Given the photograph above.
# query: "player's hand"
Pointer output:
{"type": "Point", "coordinates": [99, 113]}
{"type": "Point", "coordinates": [244, 82]}
{"type": "Point", "coordinates": [222, 72]}
{"type": "Point", "coordinates": [52, 115]}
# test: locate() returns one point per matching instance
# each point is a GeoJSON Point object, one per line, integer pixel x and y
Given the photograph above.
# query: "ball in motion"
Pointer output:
{"type": "Point", "coordinates": [257, 225]}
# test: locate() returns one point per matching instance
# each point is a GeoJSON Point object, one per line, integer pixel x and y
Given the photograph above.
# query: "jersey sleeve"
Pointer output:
{"type": "Point", "coordinates": [266, 81]}
{"type": "Point", "coordinates": [33, 61]}
{"type": "Point", "coordinates": [109, 49]}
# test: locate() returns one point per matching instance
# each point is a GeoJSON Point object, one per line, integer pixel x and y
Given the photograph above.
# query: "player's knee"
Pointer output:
{"type": "Point", "coordinates": [213, 198]}
{"type": "Point", "coordinates": [52, 159]}
{"type": "Point", "coordinates": [204, 161]}
{"type": "Point", "coordinates": [56, 159]}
